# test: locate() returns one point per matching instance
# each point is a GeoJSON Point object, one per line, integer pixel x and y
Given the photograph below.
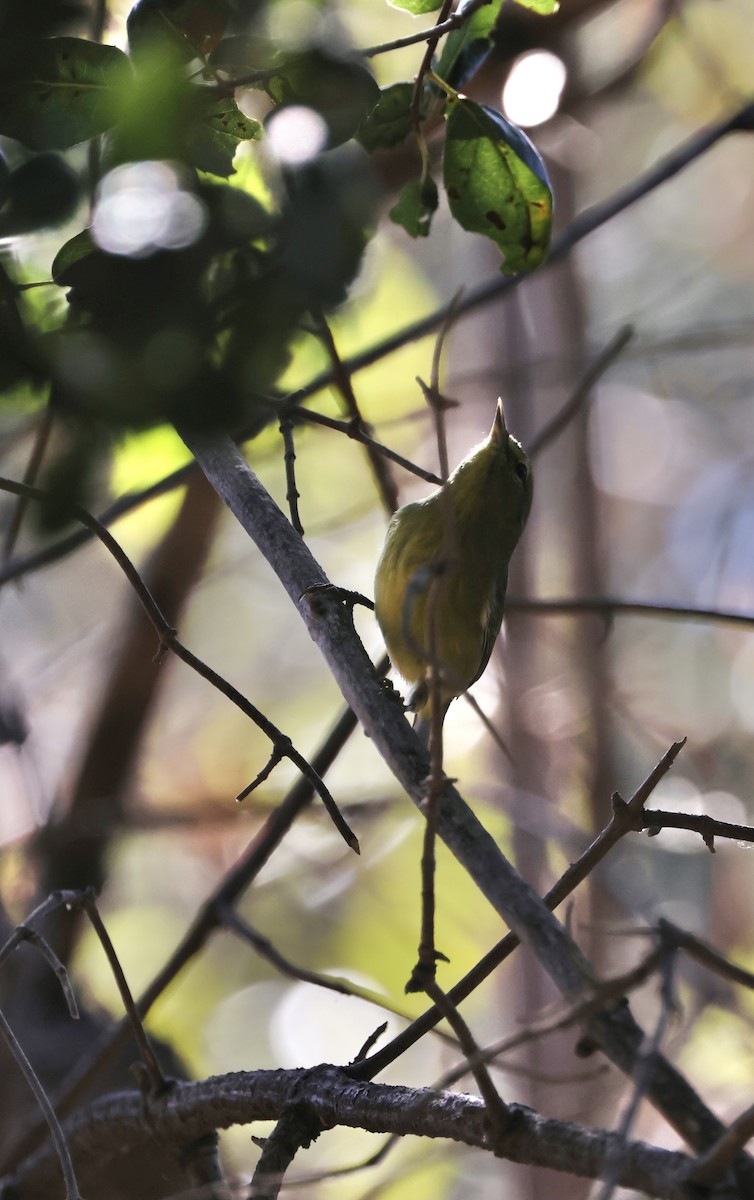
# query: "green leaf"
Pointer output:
{"type": "Point", "coordinates": [243, 53]}
{"type": "Point", "coordinates": [465, 49]}
{"type": "Point", "coordinates": [163, 116]}
{"type": "Point", "coordinates": [544, 7]}
{"type": "Point", "coordinates": [416, 205]}
{"type": "Point", "coordinates": [389, 122]}
{"type": "Point", "coordinates": [417, 7]}
{"type": "Point", "coordinates": [56, 93]}
{"type": "Point", "coordinates": [213, 142]}
{"type": "Point", "coordinates": [497, 184]}
{"type": "Point", "coordinates": [343, 91]}
{"type": "Point", "coordinates": [193, 27]}
{"type": "Point", "coordinates": [70, 253]}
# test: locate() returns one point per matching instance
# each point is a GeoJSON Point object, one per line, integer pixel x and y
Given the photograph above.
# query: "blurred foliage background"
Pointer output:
{"type": "Point", "coordinates": [648, 495]}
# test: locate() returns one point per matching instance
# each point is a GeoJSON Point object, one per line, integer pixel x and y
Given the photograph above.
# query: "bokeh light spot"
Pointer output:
{"type": "Point", "coordinates": [296, 134]}
{"type": "Point", "coordinates": [143, 207]}
{"type": "Point", "coordinates": [533, 88]}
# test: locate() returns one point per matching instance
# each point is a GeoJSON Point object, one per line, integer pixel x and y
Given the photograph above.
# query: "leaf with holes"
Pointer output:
{"type": "Point", "coordinates": [497, 184]}
{"type": "Point", "coordinates": [214, 140]}
{"type": "Point", "coordinates": [58, 92]}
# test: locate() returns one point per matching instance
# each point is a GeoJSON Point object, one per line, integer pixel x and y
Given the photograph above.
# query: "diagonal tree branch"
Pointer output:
{"type": "Point", "coordinates": [331, 627]}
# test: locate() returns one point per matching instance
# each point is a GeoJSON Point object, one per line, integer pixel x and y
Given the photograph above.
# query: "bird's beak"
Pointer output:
{"type": "Point", "coordinates": [498, 430]}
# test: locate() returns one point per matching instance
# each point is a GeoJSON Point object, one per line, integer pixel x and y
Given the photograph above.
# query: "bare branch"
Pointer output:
{"type": "Point", "coordinates": [656, 819]}
{"type": "Point", "coordinates": [207, 921]}
{"type": "Point", "coordinates": [350, 429]}
{"type": "Point", "coordinates": [645, 1065]}
{"type": "Point", "coordinates": [157, 1080]}
{"type": "Point", "coordinates": [717, 1160]}
{"type": "Point", "coordinates": [59, 1142]}
{"type": "Point", "coordinates": [169, 641]}
{"type": "Point", "coordinates": [191, 1110]}
{"type": "Point", "coordinates": [580, 395]}
{"type": "Point", "coordinates": [525, 914]}
{"type": "Point", "coordinates": [608, 606]}
{"type": "Point", "coordinates": [498, 1114]}
{"type": "Point", "coordinates": [342, 379]}
{"type": "Point", "coordinates": [292, 495]}
{"type": "Point", "coordinates": [622, 822]}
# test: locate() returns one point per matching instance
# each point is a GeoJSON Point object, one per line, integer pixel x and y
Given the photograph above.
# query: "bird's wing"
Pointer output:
{"type": "Point", "coordinates": [492, 623]}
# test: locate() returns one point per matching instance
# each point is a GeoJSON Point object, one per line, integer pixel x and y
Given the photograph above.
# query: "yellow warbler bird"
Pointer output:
{"type": "Point", "coordinates": [441, 578]}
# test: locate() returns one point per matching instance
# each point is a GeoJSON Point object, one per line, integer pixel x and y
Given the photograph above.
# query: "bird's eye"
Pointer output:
{"type": "Point", "coordinates": [522, 471]}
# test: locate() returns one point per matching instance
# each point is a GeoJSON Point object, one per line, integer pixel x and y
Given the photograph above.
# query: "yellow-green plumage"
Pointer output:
{"type": "Point", "coordinates": [473, 536]}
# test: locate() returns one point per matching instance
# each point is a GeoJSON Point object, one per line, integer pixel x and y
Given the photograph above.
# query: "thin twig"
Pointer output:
{"type": "Point", "coordinates": [423, 972]}
{"type": "Point", "coordinates": [29, 563]}
{"type": "Point", "coordinates": [58, 969]}
{"type": "Point", "coordinates": [642, 1075]}
{"type": "Point", "coordinates": [371, 1040]}
{"type": "Point", "coordinates": [708, 828]}
{"type": "Point", "coordinates": [242, 929]}
{"type": "Point", "coordinates": [448, 25]}
{"type": "Point", "coordinates": [426, 64]}
{"type": "Point", "coordinates": [428, 955]}
{"type": "Point", "coordinates": [38, 449]}
{"type": "Point", "coordinates": [208, 919]}
{"type": "Point", "coordinates": [261, 776]}
{"type": "Point", "coordinates": [169, 641]}
{"type": "Point", "coordinates": [718, 1158]}
{"type": "Point", "coordinates": [351, 430]}
{"type": "Point", "coordinates": [56, 1133]}
{"type": "Point", "coordinates": [706, 955]}
{"type": "Point", "coordinates": [607, 606]}
{"type": "Point", "coordinates": [157, 1079]}
{"type": "Point", "coordinates": [497, 1111]}
{"type": "Point", "coordinates": [53, 902]}
{"type": "Point", "coordinates": [488, 725]}
{"type": "Point", "coordinates": [621, 823]}
{"type": "Point", "coordinates": [604, 992]}
{"type": "Point", "coordinates": [292, 494]}
{"type": "Point", "coordinates": [386, 485]}
{"type": "Point", "coordinates": [27, 931]}
{"type": "Point", "coordinates": [549, 432]}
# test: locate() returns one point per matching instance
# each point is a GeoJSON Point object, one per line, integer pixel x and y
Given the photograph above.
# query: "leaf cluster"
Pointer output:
{"type": "Point", "coordinates": [190, 285]}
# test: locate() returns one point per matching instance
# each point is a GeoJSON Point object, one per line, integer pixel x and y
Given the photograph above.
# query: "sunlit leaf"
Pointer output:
{"type": "Point", "coordinates": [544, 7]}
{"type": "Point", "coordinates": [214, 140]}
{"type": "Point", "coordinates": [417, 7]}
{"type": "Point", "coordinates": [56, 93]}
{"type": "Point", "coordinates": [497, 184]}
